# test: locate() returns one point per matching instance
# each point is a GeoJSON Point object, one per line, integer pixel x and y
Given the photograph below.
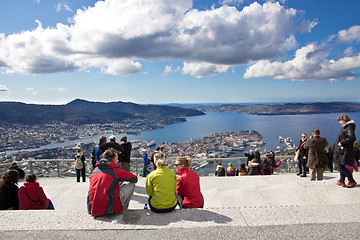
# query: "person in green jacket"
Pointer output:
{"type": "Point", "coordinates": [161, 187]}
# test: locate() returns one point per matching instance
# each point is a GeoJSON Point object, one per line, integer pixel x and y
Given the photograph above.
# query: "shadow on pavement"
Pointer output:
{"type": "Point", "coordinates": [149, 218]}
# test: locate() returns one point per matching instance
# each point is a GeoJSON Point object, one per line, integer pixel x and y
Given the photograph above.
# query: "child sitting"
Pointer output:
{"type": "Point", "coordinates": [32, 196]}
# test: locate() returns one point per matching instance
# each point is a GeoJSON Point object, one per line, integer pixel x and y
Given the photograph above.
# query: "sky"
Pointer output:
{"type": "Point", "coordinates": [166, 51]}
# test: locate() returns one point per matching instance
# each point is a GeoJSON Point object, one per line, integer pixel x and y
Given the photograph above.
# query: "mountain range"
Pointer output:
{"type": "Point", "coordinates": [286, 109]}
{"type": "Point", "coordinates": [86, 112]}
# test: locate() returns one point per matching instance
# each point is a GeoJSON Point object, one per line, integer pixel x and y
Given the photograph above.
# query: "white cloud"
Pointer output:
{"type": "Point", "coordinates": [3, 88]}
{"type": "Point", "coordinates": [113, 35]}
{"type": "Point", "coordinates": [122, 67]}
{"type": "Point", "coordinates": [29, 89]}
{"type": "Point", "coordinates": [168, 70]}
{"type": "Point", "coordinates": [34, 93]}
{"type": "Point", "coordinates": [58, 89]}
{"type": "Point", "coordinates": [37, 1]}
{"type": "Point", "coordinates": [309, 64]}
{"type": "Point", "coordinates": [63, 6]}
{"type": "Point", "coordinates": [350, 35]}
{"type": "Point", "coordinates": [199, 70]}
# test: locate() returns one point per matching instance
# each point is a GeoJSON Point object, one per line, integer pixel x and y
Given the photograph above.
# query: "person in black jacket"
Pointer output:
{"type": "Point", "coordinates": [357, 154]}
{"type": "Point", "coordinates": [250, 156]}
{"type": "Point", "coordinates": [15, 166]}
{"type": "Point", "coordinates": [125, 154]}
{"type": "Point", "coordinates": [220, 170]}
{"type": "Point", "coordinates": [257, 156]}
{"type": "Point", "coordinates": [9, 190]}
{"type": "Point", "coordinates": [80, 171]}
{"type": "Point", "coordinates": [111, 144]}
{"type": "Point", "coordinates": [303, 155]}
{"type": "Point", "coordinates": [330, 154]}
{"type": "Point", "coordinates": [271, 158]}
{"type": "Point", "coordinates": [344, 150]}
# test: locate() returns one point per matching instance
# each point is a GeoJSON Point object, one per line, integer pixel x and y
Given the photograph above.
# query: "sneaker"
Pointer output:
{"type": "Point", "coordinates": [341, 183]}
{"type": "Point", "coordinates": [351, 184]}
{"type": "Point", "coordinates": [302, 175]}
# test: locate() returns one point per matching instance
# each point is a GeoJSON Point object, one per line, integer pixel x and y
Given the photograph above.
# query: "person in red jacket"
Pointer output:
{"type": "Point", "coordinates": [32, 196]}
{"type": "Point", "coordinates": [188, 185]}
{"type": "Point", "coordinates": [107, 193]}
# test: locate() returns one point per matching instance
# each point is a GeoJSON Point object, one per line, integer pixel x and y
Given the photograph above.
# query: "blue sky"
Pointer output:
{"type": "Point", "coordinates": [165, 51]}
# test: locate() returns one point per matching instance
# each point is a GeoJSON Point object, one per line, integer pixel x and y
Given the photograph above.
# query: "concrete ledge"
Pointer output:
{"type": "Point", "coordinates": [248, 201]}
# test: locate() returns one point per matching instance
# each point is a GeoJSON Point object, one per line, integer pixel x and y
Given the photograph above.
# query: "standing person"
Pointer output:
{"type": "Point", "coordinates": [112, 144]}
{"type": "Point", "coordinates": [330, 155]}
{"type": "Point", "coordinates": [145, 163]}
{"type": "Point", "coordinates": [106, 196]}
{"type": "Point", "coordinates": [161, 187]}
{"type": "Point", "coordinates": [97, 152]}
{"type": "Point", "coordinates": [317, 158]}
{"type": "Point", "coordinates": [302, 156]}
{"type": "Point", "coordinates": [15, 166]}
{"type": "Point", "coordinates": [32, 196]}
{"type": "Point", "coordinates": [125, 154]}
{"type": "Point", "coordinates": [356, 154]}
{"type": "Point", "coordinates": [152, 158]}
{"type": "Point", "coordinates": [9, 190]}
{"type": "Point", "coordinates": [250, 156]}
{"type": "Point", "coordinates": [188, 185]}
{"type": "Point", "coordinates": [344, 150]}
{"type": "Point", "coordinates": [80, 165]}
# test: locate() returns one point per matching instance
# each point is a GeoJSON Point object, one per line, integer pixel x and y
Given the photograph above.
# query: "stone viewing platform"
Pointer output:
{"type": "Point", "coordinates": [279, 206]}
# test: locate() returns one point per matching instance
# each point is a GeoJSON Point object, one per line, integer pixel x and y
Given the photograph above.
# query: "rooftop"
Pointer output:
{"type": "Point", "coordinates": [280, 206]}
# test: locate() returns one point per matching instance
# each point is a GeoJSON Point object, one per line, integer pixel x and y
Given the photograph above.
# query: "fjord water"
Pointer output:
{"type": "Point", "coordinates": [270, 126]}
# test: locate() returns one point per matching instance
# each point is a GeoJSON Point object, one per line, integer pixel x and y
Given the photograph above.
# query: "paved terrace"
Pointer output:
{"type": "Point", "coordinates": [280, 206]}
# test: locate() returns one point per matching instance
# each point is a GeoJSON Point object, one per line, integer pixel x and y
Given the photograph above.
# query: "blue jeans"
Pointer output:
{"type": "Point", "coordinates": [302, 166]}
{"type": "Point", "coordinates": [145, 169]}
{"type": "Point", "coordinates": [51, 205]}
{"type": "Point", "coordinates": [344, 172]}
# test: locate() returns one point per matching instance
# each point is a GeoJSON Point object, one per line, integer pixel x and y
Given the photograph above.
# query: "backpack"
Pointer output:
{"type": "Point", "coordinates": [78, 162]}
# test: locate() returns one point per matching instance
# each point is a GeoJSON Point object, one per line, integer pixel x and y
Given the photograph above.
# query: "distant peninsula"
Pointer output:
{"type": "Point", "coordinates": [80, 112]}
{"type": "Point", "coordinates": [285, 109]}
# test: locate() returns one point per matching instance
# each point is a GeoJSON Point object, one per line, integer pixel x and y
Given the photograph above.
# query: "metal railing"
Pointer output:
{"type": "Point", "coordinates": [204, 167]}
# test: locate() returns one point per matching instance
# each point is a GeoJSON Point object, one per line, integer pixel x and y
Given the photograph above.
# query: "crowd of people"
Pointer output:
{"type": "Point", "coordinates": [112, 184]}
{"type": "Point", "coordinates": [254, 165]}
{"type": "Point", "coordinates": [28, 197]}
{"type": "Point", "coordinates": [111, 187]}
{"type": "Point", "coordinates": [313, 154]}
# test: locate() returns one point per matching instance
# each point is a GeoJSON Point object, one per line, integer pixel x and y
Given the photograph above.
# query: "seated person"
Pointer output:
{"type": "Point", "coordinates": [105, 195]}
{"type": "Point", "coordinates": [188, 185]}
{"type": "Point", "coordinates": [253, 168]}
{"type": "Point", "coordinates": [32, 196]}
{"type": "Point", "coordinates": [242, 170]}
{"type": "Point", "coordinates": [220, 170]}
{"type": "Point", "coordinates": [161, 187]}
{"type": "Point", "coordinates": [230, 171]}
{"type": "Point", "coordinates": [15, 166]}
{"type": "Point", "coordinates": [9, 190]}
{"type": "Point", "coordinates": [266, 168]}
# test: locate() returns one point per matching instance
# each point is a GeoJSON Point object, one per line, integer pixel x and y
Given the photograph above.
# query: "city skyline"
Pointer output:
{"type": "Point", "coordinates": [162, 51]}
